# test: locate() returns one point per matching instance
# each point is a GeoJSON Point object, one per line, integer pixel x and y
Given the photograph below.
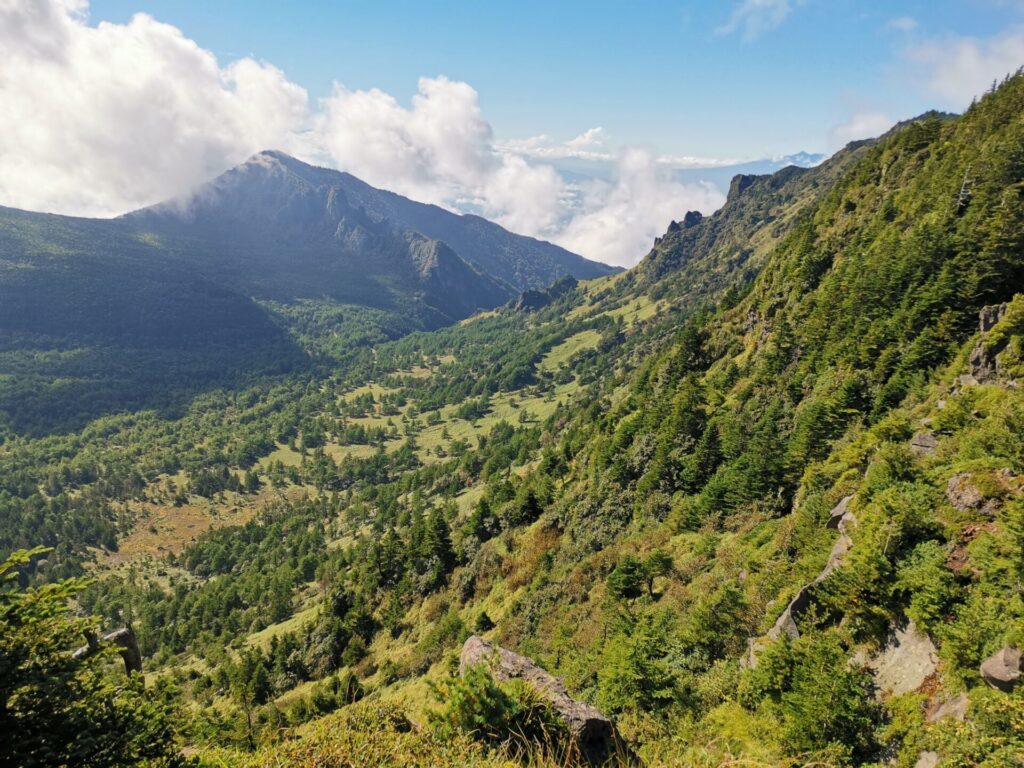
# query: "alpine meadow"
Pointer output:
{"type": "Point", "coordinates": [296, 470]}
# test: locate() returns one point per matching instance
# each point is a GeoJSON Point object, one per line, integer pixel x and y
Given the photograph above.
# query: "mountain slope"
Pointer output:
{"type": "Point", "coordinates": [288, 231]}
{"type": "Point", "coordinates": [521, 262]}
{"type": "Point", "coordinates": [759, 500]}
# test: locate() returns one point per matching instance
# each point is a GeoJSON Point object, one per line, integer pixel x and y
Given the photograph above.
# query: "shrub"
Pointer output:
{"type": "Point", "coordinates": [510, 715]}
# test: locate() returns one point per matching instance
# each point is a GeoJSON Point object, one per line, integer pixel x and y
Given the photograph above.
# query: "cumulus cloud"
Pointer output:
{"type": "Point", "coordinates": [961, 68]}
{"type": "Point", "coordinates": [97, 120]}
{"type": "Point", "coordinates": [620, 219]}
{"type": "Point", "coordinates": [752, 18]}
{"type": "Point", "coordinates": [440, 149]}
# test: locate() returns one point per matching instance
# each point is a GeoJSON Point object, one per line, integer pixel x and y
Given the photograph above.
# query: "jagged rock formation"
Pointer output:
{"type": "Point", "coordinates": [989, 316]}
{"type": "Point", "coordinates": [126, 644]}
{"type": "Point", "coordinates": [786, 624]}
{"type": "Point", "coordinates": [983, 361]}
{"type": "Point", "coordinates": [1002, 669]}
{"type": "Point", "coordinates": [532, 300]}
{"type": "Point", "coordinates": [592, 731]}
{"type": "Point", "coordinates": [838, 513]}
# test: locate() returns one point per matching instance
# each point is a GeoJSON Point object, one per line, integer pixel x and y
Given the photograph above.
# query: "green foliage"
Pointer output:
{"type": "Point", "coordinates": [826, 706]}
{"type": "Point", "coordinates": [635, 672]}
{"type": "Point", "coordinates": [633, 577]}
{"type": "Point", "coordinates": [931, 587]}
{"type": "Point", "coordinates": [510, 715]}
{"type": "Point", "coordinates": [58, 709]}
{"type": "Point", "coordinates": [714, 405]}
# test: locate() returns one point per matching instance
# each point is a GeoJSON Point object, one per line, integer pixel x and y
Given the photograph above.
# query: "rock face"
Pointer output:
{"type": "Point", "coordinates": [839, 513]}
{"type": "Point", "coordinates": [692, 219]}
{"type": "Point", "coordinates": [984, 366]}
{"type": "Point", "coordinates": [927, 759]}
{"type": "Point", "coordinates": [1002, 669]}
{"type": "Point", "coordinates": [593, 732]}
{"type": "Point", "coordinates": [126, 644]}
{"type": "Point", "coordinates": [990, 315]}
{"type": "Point", "coordinates": [924, 443]}
{"type": "Point", "coordinates": [839, 519]}
{"type": "Point", "coordinates": [907, 660]}
{"type": "Point", "coordinates": [962, 493]}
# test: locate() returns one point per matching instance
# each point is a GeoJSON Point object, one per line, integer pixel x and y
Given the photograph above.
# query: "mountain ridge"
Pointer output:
{"type": "Point", "coordinates": [519, 261]}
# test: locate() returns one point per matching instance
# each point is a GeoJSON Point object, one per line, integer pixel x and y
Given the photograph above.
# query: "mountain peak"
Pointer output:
{"type": "Point", "coordinates": [276, 196]}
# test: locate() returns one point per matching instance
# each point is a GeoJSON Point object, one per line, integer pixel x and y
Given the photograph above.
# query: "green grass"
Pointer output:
{"type": "Point", "coordinates": [561, 354]}
{"type": "Point", "coordinates": [262, 638]}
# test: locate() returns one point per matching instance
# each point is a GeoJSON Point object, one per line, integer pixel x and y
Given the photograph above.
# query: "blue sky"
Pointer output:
{"type": "Point", "coordinates": [663, 74]}
{"type": "Point", "coordinates": [592, 125]}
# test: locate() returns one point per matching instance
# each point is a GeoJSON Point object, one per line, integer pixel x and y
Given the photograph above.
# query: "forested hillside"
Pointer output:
{"type": "Point", "coordinates": [759, 500]}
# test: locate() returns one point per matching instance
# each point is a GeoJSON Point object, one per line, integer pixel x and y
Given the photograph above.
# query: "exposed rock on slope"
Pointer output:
{"type": "Point", "coordinates": [589, 727]}
{"type": "Point", "coordinates": [1002, 669]}
{"type": "Point", "coordinates": [907, 660]}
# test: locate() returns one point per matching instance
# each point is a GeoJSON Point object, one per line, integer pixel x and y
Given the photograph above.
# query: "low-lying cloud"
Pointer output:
{"type": "Point", "coordinates": [98, 120]}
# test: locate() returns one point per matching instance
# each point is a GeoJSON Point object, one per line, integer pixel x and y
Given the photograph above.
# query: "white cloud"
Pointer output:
{"type": "Point", "coordinates": [961, 68]}
{"type": "Point", "coordinates": [689, 161]}
{"type": "Point", "coordinates": [592, 137]}
{"type": "Point", "coordinates": [440, 149]}
{"type": "Point", "coordinates": [755, 17]}
{"type": "Point", "coordinates": [862, 125]}
{"type": "Point", "coordinates": [617, 221]}
{"type": "Point", "coordinates": [96, 120]}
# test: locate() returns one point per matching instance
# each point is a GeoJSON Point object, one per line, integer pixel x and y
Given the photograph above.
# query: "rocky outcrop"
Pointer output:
{"type": "Point", "coordinates": [984, 367]}
{"type": "Point", "coordinates": [1002, 669]}
{"type": "Point", "coordinates": [982, 360]}
{"type": "Point", "coordinates": [949, 709]}
{"type": "Point", "coordinates": [840, 518]}
{"type": "Point", "coordinates": [839, 513]}
{"type": "Point", "coordinates": [533, 299]}
{"type": "Point", "coordinates": [739, 183]}
{"type": "Point", "coordinates": [964, 493]}
{"type": "Point", "coordinates": [990, 315]}
{"type": "Point", "coordinates": [906, 661]}
{"type": "Point", "coordinates": [592, 731]}
{"type": "Point", "coordinates": [692, 219]}
{"type": "Point", "coordinates": [924, 443]}
{"type": "Point", "coordinates": [123, 639]}
{"type": "Point", "coordinates": [927, 759]}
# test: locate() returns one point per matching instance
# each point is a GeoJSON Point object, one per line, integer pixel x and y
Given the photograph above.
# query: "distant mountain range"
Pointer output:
{"type": "Point", "coordinates": [269, 262]}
